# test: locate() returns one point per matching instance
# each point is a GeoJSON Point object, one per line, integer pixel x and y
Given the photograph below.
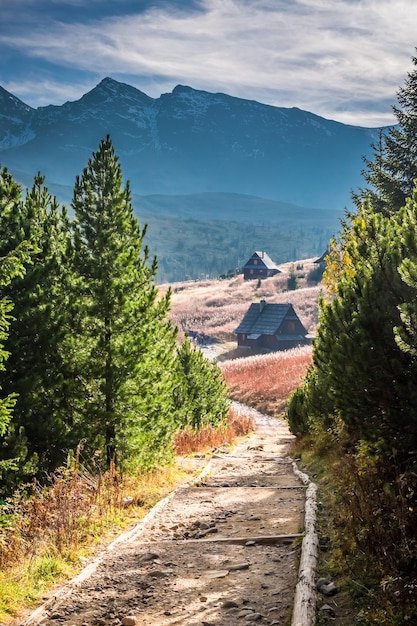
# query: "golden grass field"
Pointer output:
{"type": "Point", "coordinates": [216, 307]}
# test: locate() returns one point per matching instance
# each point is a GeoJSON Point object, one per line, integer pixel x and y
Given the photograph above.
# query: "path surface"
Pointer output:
{"type": "Point", "coordinates": [224, 552]}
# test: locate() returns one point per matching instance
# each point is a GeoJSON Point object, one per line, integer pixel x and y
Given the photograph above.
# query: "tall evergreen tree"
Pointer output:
{"type": "Point", "coordinates": [35, 365]}
{"type": "Point", "coordinates": [392, 171]}
{"type": "Point", "coordinates": [15, 254]}
{"type": "Point", "coordinates": [123, 344]}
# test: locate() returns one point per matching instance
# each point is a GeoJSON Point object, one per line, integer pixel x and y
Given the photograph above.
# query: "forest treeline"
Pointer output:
{"type": "Point", "coordinates": [90, 364]}
{"type": "Point", "coordinates": [358, 402]}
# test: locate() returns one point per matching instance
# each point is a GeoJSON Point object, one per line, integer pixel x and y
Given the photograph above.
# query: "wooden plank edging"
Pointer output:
{"type": "Point", "coordinates": [304, 611]}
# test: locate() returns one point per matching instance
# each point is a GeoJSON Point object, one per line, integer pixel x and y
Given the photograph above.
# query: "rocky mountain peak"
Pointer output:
{"type": "Point", "coordinates": [9, 104]}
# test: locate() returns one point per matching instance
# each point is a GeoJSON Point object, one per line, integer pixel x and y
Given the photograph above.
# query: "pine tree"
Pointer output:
{"type": "Point", "coordinates": [201, 396]}
{"type": "Point", "coordinates": [366, 377]}
{"type": "Point", "coordinates": [35, 365]}
{"type": "Point", "coordinates": [14, 256]}
{"type": "Point", "coordinates": [123, 346]}
{"type": "Point", "coordinates": [392, 171]}
{"type": "Point", "coordinates": [406, 332]}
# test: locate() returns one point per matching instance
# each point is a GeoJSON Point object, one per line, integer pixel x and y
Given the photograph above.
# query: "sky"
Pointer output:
{"type": "Point", "coordinates": [341, 59]}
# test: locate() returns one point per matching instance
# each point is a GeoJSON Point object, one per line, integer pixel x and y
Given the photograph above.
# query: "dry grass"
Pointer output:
{"type": "Point", "coordinates": [265, 381]}
{"type": "Point", "coordinates": [46, 533]}
{"type": "Point", "coordinates": [216, 307]}
{"type": "Point", "coordinates": [238, 425]}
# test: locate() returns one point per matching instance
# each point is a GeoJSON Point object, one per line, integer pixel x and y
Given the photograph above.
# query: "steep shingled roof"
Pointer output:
{"type": "Point", "coordinates": [265, 258]}
{"type": "Point", "coordinates": [265, 319]}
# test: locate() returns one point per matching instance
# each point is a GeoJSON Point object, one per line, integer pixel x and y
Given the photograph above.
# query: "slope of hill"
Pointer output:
{"type": "Point", "coordinates": [216, 307]}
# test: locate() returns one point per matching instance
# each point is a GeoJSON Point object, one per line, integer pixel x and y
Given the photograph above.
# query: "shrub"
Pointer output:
{"type": "Point", "coordinates": [296, 413]}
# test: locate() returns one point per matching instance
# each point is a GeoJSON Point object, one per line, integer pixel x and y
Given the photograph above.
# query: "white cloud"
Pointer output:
{"type": "Point", "coordinates": [332, 57]}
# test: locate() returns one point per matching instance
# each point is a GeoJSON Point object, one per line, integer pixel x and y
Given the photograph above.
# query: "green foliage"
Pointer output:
{"type": "Point", "coordinates": [365, 374]}
{"type": "Point", "coordinates": [201, 396]}
{"type": "Point", "coordinates": [93, 361]}
{"type": "Point", "coordinates": [35, 367]}
{"type": "Point", "coordinates": [122, 344]}
{"type": "Point", "coordinates": [297, 415]}
{"type": "Point", "coordinates": [15, 254]}
{"type": "Point", "coordinates": [366, 378]}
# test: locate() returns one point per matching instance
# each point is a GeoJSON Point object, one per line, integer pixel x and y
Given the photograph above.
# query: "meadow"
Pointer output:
{"type": "Point", "coordinates": [216, 307]}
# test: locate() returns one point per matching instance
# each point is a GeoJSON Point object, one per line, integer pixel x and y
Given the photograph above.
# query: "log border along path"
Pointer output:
{"type": "Point", "coordinates": [222, 550]}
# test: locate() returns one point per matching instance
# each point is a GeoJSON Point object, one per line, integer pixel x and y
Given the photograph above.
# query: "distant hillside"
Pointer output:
{"type": "Point", "coordinates": [214, 177]}
{"type": "Point", "coordinates": [209, 245]}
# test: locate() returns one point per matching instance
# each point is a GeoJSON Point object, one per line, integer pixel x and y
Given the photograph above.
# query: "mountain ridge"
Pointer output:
{"type": "Point", "coordinates": [190, 141]}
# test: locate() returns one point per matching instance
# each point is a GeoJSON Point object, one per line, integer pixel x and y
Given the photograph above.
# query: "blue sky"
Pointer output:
{"type": "Point", "coordinates": [342, 59]}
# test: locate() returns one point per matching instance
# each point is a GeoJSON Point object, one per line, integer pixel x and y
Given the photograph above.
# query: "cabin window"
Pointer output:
{"type": "Point", "coordinates": [291, 327]}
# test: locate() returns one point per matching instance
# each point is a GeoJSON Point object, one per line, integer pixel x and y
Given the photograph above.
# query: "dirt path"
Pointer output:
{"type": "Point", "coordinates": [224, 552]}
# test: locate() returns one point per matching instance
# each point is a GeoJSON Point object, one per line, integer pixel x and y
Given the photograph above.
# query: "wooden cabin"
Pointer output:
{"type": "Point", "coordinates": [260, 265]}
{"type": "Point", "coordinates": [269, 327]}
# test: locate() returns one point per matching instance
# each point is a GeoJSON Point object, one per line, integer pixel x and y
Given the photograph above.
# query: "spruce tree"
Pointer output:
{"type": "Point", "coordinates": [393, 169]}
{"type": "Point", "coordinates": [123, 345]}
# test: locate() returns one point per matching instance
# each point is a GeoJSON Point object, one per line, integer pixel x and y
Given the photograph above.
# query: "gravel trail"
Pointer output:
{"type": "Point", "coordinates": [221, 552]}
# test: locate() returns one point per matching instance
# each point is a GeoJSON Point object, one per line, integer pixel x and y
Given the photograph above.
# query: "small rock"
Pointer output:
{"type": "Point", "coordinates": [238, 566]}
{"type": "Point", "coordinates": [326, 587]}
{"type": "Point", "coordinates": [230, 604]}
{"type": "Point", "coordinates": [253, 617]}
{"type": "Point", "coordinates": [328, 610]}
{"type": "Point", "coordinates": [250, 543]}
{"type": "Point", "coordinates": [158, 573]}
{"type": "Point", "coordinates": [148, 556]}
{"type": "Point", "coordinates": [217, 573]}
{"type": "Point", "coordinates": [245, 613]}
{"type": "Point", "coordinates": [129, 620]}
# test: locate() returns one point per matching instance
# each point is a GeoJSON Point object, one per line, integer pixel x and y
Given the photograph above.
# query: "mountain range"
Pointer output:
{"type": "Point", "coordinates": [194, 155]}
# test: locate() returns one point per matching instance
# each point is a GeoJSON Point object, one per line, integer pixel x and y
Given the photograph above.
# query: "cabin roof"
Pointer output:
{"type": "Point", "coordinates": [264, 257]}
{"type": "Point", "coordinates": [265, 318]}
